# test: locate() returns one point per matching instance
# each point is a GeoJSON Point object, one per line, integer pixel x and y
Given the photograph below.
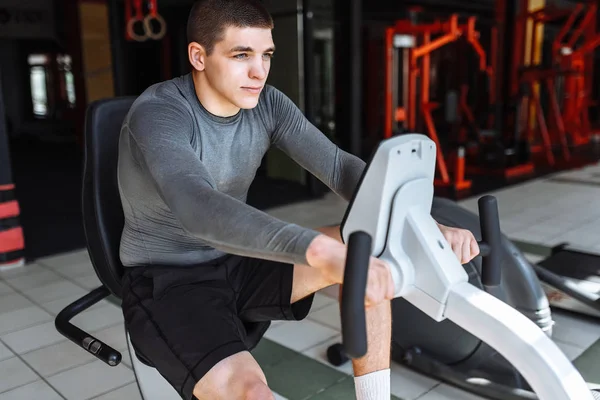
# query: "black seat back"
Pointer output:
{"type": "Point", "coordinates": [102, 211]}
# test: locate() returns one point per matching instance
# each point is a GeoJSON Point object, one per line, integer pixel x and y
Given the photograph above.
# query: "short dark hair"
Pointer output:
{"type": "Point", "coordinates": [209, 19]}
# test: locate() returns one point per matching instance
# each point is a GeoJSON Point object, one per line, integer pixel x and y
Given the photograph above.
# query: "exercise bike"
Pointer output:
{"type": "Point", "coordinates": [444, 294]}
{"type": "Point", "coordinates": [390, 218]}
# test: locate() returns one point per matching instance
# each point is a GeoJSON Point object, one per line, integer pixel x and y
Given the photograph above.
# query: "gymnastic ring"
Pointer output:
{"type": "Point", "coordinates": [148, 26]}
{"type": "Point", "coordinates": [130, 25]}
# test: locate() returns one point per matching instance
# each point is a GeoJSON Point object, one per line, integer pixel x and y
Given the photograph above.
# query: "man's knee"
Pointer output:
{"type": "Point", "coordinates": [248, 388]}
{"type": "Point", "coordinates": [236, 377]}
{"type": "Point", "coordinates": [257, 390]}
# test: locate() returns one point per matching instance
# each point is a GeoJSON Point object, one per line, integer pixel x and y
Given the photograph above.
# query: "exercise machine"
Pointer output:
{"type": "Point", "coordinates": [565, 79]}
{"type": "Point", "coordinates": [573, 52]}
{"type": "Point", "coordinates": [416, 42]}
{"type": "Point", "coordinates": [481, 146]}
{"type": "Point", "coordinates": [390, 217]}
{"type": "Point", "coordinates": [568, 279]}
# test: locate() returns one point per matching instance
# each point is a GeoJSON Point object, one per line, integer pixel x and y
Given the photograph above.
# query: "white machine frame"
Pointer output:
{"type": "Point", "coordinates": [393, 205]}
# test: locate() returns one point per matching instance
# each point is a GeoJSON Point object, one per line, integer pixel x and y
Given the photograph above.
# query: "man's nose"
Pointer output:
{"type": "Point", "coordinates": [258, 70]}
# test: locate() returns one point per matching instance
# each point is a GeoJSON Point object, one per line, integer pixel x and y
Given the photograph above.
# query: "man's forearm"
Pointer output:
{"type": "Point", "coordinates": [351, 169]}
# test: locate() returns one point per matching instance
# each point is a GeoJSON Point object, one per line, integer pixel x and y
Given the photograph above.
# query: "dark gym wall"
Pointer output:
{"type": "Point", "coordinates": [19, 27]}
{"type": "Point", "coordinates": [5, 167]}
{"type": "Point", "coordinates": [384, 10]}
{"type": "Point", "coordinates": [12, 91]}
{"type": "Point", "coordinates": [40, 27]}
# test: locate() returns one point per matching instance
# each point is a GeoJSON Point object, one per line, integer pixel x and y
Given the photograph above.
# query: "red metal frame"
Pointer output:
{"type": "Point", "coordinates": [572, 63]}
{"type": "Point", "coordinates": [446, 32]}
{"type": "Point", "coordinates": [579, 67]}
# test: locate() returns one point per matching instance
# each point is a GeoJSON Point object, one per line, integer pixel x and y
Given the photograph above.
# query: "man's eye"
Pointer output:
{"type": "Point", "coordinates": [240, 56]}
{"type": "Point", "coordinates": [268, 56]}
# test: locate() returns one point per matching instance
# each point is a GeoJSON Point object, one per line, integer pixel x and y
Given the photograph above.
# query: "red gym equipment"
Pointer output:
{"type": "Point", "coordinates": [418, 42]}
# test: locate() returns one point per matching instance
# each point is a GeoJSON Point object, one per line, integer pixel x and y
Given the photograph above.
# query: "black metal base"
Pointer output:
{"type": "Point", "coordinates": [475, 382]}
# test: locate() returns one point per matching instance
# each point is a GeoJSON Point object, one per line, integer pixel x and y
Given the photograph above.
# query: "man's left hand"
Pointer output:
{"type": "Point", "coordinates": [462, 241]}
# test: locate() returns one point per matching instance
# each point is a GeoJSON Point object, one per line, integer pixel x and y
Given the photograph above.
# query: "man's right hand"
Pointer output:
{"type": "Point", "coordinates": [329, 255]}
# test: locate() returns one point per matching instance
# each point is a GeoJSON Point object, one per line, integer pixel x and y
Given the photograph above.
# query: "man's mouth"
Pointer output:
{"type": "Point", "coordinates": [252, 89]}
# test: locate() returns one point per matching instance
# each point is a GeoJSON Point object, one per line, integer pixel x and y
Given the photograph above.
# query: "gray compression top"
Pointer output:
{"type": "Point", "coordinates": [184, 175]}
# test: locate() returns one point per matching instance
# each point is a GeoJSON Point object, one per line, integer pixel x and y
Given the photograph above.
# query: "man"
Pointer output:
{"type": "Point", "coordinates": [205, 272]}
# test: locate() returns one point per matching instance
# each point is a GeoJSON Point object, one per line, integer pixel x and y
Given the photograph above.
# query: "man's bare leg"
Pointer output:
{"type": "Point", "coordinates": [236, 377]}
{"type": "Point", "coordinates": [307, 280]}
{"type": "Point", "coordinates": [379, 340]}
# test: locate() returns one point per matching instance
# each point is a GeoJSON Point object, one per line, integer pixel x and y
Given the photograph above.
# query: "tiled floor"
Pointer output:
{"type": "Point", "coordinates": [38, 363]}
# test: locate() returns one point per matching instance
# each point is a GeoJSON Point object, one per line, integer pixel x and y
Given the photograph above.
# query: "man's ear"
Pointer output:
{"type": "Point", "coordinates": [197, 55]}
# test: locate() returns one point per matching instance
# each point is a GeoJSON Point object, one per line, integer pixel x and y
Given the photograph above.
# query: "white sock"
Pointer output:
{"type": "Point", "coordinates": [373, 386]}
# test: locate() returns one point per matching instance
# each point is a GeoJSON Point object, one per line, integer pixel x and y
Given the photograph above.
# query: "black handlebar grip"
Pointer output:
{"type": "Point", "coordinates": [98, 348]}
{"type": "Point", "coordinates": [484, 249]}
{"type": "Point", "coordinates": [491, 236]}
{"type": "Point", "coordinates": [354, 329]}
{"type": "Point", "coordinates": [83, 339]}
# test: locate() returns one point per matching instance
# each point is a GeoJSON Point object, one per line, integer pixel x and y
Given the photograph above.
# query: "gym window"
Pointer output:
{"type": "Point", "coordinates": [52, 86]}
{"type": "Point", "coordinates": [38, 79]}
{"type": "Point", "coordinates": [67, 80]}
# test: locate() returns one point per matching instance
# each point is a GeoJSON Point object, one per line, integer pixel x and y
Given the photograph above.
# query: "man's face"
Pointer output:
{"type": "Point", "coordinates": [239, 65]}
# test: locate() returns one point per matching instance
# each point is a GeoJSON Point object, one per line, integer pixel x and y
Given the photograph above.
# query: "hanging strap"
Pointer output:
{"type": "Point", "coordinates": [153, 15]}
{"type": "Point", "coordinates": [133, 21]}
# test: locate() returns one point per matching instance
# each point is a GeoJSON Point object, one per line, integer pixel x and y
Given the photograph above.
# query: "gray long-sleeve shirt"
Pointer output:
{"type": "Point", "coordinates": [184, 175]}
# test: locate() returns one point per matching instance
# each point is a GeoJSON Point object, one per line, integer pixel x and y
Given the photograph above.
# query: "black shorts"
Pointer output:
{"type": "Point", "coordinates": [183, 321]}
